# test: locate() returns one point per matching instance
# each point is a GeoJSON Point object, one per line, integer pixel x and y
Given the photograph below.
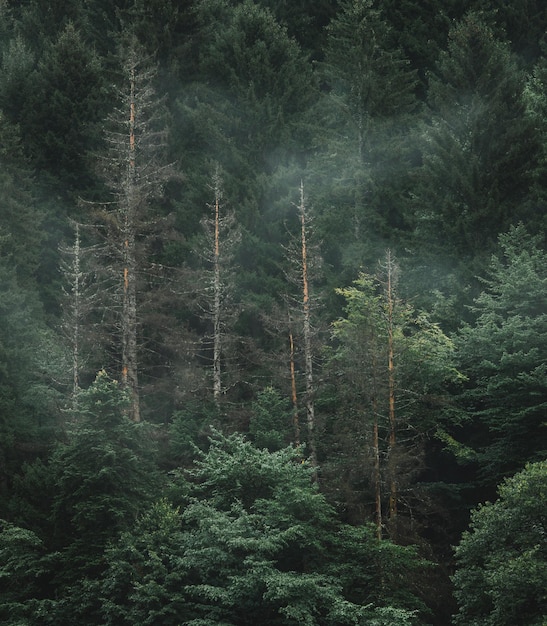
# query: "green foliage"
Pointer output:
{"type": "Point", "coordinates": [59, 118]}
{"type": "Point", "coordinates": [269, 426]}
{"type": "Point", "coordinates": [479, 149]}
{"type": "Point", "coordinates": [502, 355]}
{"type": "Point", "coordinates": [30, 359]}
{"type": "Point", "coordinates": [103, 477]}
{"type": "Point", "coordinates": [254, 541]}
{"type": "Point", "coordinates": [501, 577]}
{"type": "Point", "coordinates": [362, 157]}
{"type": "Point", "coordinates": [23, 573]}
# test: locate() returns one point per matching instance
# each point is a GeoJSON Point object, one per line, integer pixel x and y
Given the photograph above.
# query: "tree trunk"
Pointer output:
{"type": "Point", "coordinates": [392, 442]}
{"type": "Point", "coordinates": [310, 410]}
{"type": "Point", "coordinates": [294, 396]}
{"type": "Point", "coordinates": [129, 299]}
{"type": "Point", "coordinates": [217, 334]}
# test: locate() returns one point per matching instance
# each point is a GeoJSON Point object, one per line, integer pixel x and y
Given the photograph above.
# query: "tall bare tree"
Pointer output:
{"type": "Point", "coordinates": [135, 172]}
{"type": "Point", "coordinates": [222, 235]}
{"type": "Point", "coordinates": [307, 328]}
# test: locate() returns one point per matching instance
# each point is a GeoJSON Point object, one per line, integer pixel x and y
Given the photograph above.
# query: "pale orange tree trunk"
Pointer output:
{"type": "Point", "coordinates": [307, 330]}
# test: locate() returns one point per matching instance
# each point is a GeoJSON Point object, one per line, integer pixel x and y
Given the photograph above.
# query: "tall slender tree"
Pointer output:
{"type": "Point", "coordinates": [135, 175]}
{"type": "Point", "coordinates": [222, 236]}
{"type": "Point", "coordinates": [307, 326]}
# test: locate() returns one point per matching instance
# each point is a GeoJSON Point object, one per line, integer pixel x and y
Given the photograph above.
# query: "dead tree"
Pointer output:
{"type": "Point", "coordinates": [134, 174]}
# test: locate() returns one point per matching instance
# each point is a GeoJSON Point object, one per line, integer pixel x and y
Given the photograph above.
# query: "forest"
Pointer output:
{"type": "Point", "coordinates": [273, 312]}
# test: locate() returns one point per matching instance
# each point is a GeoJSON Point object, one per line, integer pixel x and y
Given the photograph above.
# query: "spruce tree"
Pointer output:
{"type": "Point", "coordinates": [501, 353]}
{"type": "Point", "coordinates": [480, 147]}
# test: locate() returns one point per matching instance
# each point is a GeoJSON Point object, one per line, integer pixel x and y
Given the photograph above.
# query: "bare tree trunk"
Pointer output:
{"type": "Point", "coordinates": [392, 442]}
{"type": "Point", "coordinates": [294, 396]}
{"type": "Point", "coordinates": [73, 313]}
{"type": "Point", "coordinates": [129, 299]}
{"type": "Point", "coordinates": [310, 409]}
{"type": "Point", "coordinates": [217, 335]}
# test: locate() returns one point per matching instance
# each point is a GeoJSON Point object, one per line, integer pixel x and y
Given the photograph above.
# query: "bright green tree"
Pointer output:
{"type": "Point", "coordinates": [501, 576]}
{"type": "Point", "coordinates": [392, 366]}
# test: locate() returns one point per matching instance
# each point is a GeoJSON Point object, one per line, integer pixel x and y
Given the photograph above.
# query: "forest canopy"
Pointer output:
{"type": "Point", "coordinates": [273, 312]}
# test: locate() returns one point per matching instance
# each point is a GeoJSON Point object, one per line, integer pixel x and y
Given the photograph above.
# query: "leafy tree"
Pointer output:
{"type": "Point", "coordinates": [502, 355]}
{"type": "Point", "coordinates": [501, 576]}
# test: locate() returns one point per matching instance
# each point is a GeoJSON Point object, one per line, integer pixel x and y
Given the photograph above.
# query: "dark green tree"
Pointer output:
{"type": "Point", "coordinates": [361, 157]}
{"type": "Point", "coordinates": [479, 149]}
{"type": "Point", "coordinates": [248, 111]}
{"type": "Point", "coordinates": [60, 119]}
{"type": "Point", "coordinates": [501, 576]}
{"type": "Point", "coordinates": [254, 541]}
{"type": "Point", "coordinates": [501, 353]}
{"type": "Point", "coordinates": [103, 477]}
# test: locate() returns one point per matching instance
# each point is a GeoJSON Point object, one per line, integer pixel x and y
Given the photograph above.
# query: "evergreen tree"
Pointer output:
{"type": "Point", "coordinates": [60, 118]}
{"type": "Point", "coordinates": [248, 111]}
{"type": "Point", "coordinates": [255, 541]}
{"type": "Point", "coordinates": [502, 356]}
{"type": "Point", "coordinates": [501, 576]}
{"type": "Point", "coordinates": [480, 148]}
{"type": "Point", "coordinates": [389, 363]}
{"type": "Point", "coordinates": [360, 166]}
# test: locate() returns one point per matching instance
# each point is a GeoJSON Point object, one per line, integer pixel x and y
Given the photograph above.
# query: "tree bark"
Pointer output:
{"type": "Point", "coordinates": [392, 442]}
{"type": "Point", "coordinates": [310, 409]}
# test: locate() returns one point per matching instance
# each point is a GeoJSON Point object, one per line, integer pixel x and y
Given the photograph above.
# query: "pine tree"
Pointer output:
{"type": "Point", "coordinates": [364, 116]}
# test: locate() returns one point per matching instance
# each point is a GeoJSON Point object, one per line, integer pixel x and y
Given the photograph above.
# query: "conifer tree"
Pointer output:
{"type": "Point", "coordinates": [501, 353]}
{"type": "Point", "coordinates": [388, 360]}
{"type": "Point", "coordinates": [135, 174]}
{"type": "Point", "coordinates": [480, 148]}
{"type": "Point", "coordinates": [364, 115]}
